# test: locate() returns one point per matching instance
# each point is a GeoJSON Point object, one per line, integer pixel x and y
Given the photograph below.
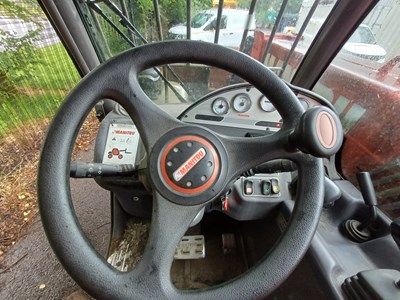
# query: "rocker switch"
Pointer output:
{"type": "Point", "coordinates": [266, 187]}
{"type": "Point", "coordinates": [275, 186]}
{"type": "Point", "coordinates": [248, 187]}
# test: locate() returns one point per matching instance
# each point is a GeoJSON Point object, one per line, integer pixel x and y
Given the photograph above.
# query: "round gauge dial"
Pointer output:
{"type": "Point", "coordinates": [241, 103]}
{"type": "Point", "coordinates": [266, 105]}
{"type": "Point", "coordinates": [220, 106]}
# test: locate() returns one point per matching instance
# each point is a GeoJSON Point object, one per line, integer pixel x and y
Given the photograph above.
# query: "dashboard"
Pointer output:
{"type": "Point", "coordinates": [238, 106]}
{"type": "Point", "coordinates": [237, 110]}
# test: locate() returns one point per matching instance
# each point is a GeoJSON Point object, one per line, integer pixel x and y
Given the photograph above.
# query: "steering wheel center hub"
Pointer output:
{"type": "Point", "coordinates": [189, 164]}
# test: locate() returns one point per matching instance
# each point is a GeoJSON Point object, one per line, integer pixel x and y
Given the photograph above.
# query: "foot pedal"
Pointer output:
{"type": "Point", "coordinates": [191, 247]}
{"type": "Point", "coordinates": [229, 243]}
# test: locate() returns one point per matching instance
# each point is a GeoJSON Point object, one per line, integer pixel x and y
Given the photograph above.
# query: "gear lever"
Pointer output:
{"type": "Point", "coordinates": [358, 231]}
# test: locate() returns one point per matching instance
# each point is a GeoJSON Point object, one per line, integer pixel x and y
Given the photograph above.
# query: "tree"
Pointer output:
{"type": "Point", "coordinates": [17, 59]}
{"type": "Point", "coordinates": [262, 6]}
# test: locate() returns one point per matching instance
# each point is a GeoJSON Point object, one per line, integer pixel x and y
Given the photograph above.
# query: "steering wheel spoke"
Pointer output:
{"type": "Point", "coordinates": [246, 153]}
{"type": "Point", "coordinates": [169, 223]}
{"type": "Point", "coordinates": [148, 117]}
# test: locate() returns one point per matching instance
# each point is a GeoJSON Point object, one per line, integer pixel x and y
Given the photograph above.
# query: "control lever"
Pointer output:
{"type": "Point", "coordinates": [358, 231]}
{"type": "Point", "coordinates": [80, 169]}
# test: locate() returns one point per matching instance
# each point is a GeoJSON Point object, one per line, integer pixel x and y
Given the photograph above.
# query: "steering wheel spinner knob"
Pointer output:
{"type": "Point", "coordinates": [319, 132]}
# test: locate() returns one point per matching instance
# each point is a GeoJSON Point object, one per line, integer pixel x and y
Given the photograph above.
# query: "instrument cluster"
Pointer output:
{"type": "Point", "coordinates": [238, 106]}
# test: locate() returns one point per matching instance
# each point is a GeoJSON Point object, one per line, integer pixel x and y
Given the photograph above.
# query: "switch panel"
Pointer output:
{"type": "Point", "coordinates": [264, 186]}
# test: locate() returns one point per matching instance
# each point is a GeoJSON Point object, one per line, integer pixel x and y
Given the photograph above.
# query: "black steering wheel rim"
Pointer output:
{"type": "Point", "coordinates": [117, 79]}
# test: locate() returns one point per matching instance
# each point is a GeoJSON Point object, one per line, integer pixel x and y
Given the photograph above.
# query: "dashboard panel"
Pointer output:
{"type": "Point", "coordinates": [238, 106]}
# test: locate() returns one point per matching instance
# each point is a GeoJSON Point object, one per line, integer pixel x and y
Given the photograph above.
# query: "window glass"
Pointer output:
{"type": "Point", "coordinates": [363, 35]}
{"type": "Point", "coordinates": [280, 43]}
{"type": "Point", "coordinates": [36, 73]}
{"type": "Point", "coordinates": [364, 86]}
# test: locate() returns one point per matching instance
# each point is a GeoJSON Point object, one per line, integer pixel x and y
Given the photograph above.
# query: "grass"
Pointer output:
{"type": "Point", "coordinates": [16, 112]}
{"type": "Point", "coordinates": [39, 96]}
{"type": "Point", "coordinates": [57, 72]}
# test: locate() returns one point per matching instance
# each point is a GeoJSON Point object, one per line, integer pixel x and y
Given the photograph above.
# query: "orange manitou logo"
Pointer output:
{"type": "Point", "coordinates": [189, 164]}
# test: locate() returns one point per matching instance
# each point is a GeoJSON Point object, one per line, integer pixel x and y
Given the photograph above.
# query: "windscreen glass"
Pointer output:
{"type": "Point", "coordinates": [363, 84]}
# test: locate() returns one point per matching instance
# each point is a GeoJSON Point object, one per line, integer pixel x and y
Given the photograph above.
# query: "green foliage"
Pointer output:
{"type": "Point", "coordinates": [40, 95]}
{"type": "Point", "coordinates": [33, 81]}
{"type": "Point", "coordinates": [141, 14]}
{"type": "Point", "coordinates": [244, 4]}
{"type": "Point", "coordinates": [263, 6]}
{"type": "Point", "coordinates": [26, 10]}
{"type": "Point", "coordinates": [17, 59]}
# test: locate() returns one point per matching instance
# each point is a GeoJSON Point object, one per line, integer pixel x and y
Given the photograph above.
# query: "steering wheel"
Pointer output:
{"type": "Point", "coordinates": [188, 166]}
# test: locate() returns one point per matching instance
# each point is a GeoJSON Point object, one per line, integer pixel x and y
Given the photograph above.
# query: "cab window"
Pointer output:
{"type": "Point", "coordinates": [363, 84]}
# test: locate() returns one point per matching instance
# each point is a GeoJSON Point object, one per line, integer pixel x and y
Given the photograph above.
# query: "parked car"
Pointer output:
{"type": "Point", "coordinates": [363, 44]}
{"type": "Point", "coordinates": [203, 26]}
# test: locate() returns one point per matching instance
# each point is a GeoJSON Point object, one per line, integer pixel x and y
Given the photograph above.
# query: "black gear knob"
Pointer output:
{"type": "Point", "coordinates": [318, 133]}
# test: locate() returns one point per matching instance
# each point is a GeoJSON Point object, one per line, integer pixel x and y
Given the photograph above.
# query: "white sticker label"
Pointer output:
{"type": "Point", "coordinates": [189, 164]}
{"type": "Point", "coordinates": [122, 143]}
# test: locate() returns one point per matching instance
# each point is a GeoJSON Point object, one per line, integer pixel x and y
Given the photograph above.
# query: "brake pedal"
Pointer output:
{"type": "Point", "coordinates": [191, 247]}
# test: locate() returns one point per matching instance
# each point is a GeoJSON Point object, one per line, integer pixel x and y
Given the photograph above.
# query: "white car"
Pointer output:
{"type": "Point", "coordinates": [203, 25]}
{"type": "Point", "coordinates": [363, 44]}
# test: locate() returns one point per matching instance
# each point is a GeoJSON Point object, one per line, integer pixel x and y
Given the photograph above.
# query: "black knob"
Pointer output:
{"type": "Point", "coordinates": [319, 132]}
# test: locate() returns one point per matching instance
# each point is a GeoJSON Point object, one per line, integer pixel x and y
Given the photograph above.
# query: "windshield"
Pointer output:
{"type": "Point", "coordinates": [363, 35]}
{"type": "Point", "coordinates": [200, 19]}
{"type": "Point", "coordinates": [361, 83]}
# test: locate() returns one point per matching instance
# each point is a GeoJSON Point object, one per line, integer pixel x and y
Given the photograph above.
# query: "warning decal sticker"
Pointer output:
{"type": "Point", "coordinates": [122, 143]}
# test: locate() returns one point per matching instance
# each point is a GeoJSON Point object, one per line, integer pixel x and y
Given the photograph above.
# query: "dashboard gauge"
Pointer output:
{"type": "Point", "coordinates": [305, 103]}
{"type": "Point", "coordinates": [220, 106]}
{"type": "Point", "coordinates": [266, 105]}
{"type": "Point", "coordinates": [241, 103]}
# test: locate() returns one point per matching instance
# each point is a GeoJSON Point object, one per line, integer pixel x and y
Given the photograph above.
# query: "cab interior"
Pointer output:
{"type": "Point", "coordinates": [267, 169]}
